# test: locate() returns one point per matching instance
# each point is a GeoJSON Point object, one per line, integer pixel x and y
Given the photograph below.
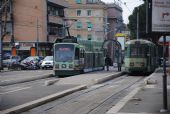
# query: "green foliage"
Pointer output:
{"type": "Point", "coordinates": [142, 21]}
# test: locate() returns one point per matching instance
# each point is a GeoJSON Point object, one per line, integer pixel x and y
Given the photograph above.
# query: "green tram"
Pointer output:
{"type": "Point", "coordinates": [140, 56]}
{"type": "Point", "coordinates": [72, 56]}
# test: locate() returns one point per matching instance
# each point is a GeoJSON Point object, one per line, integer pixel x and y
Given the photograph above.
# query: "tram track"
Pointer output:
{"type": "Point", "coordinates": [119, 88]}
{"type": "Point", "coordinates": [111, 96]}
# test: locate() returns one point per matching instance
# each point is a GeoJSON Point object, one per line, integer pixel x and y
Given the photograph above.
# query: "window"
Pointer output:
{"type": "Point", "coordinates": [88, 12]}
{"type": "Point", "coordinates": [89, 25]}
{"type": "Point", "coordinates": [54, 30]}
{"type": "Point", "coordinates": [91, 1]}
{"type": "Point", "coordinates": [64, 53]}
{"type": "Point", "coordinates": [78, 12]}
{"type": "Point", "coordinates": [89, 37]}
{"type": "Point", "coordinates": [78, 1]}
{"type": "Point", "coordinates": [79, 25]}
{"type": "Point", "coordinates": [55, 11]}
{"type": "Point", "coordinates": [77, 53]}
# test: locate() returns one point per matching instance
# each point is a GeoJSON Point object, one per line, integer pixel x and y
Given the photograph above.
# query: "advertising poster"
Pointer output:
{"type": "Point", "coordinates": [160, 15]}
{"type": "Point", "coordinates": [121, 40]}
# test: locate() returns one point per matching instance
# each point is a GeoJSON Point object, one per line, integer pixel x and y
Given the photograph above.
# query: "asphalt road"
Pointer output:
{"type": "Point", "coordinates": [17, 94]}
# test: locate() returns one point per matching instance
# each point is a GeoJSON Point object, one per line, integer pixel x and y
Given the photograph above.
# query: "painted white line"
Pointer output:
{"type": "Point", "coordinates": [115, 109]}
{"type": "Point", "coordinates": [136, 113]}
{"type": "Point", "coordinates": [14, 90]}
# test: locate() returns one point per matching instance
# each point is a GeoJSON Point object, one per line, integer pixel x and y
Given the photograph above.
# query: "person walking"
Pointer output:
{"type": "Point", "coordinates": [108, 62]}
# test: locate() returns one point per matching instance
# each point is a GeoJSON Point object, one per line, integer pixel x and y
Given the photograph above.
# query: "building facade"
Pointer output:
{"type": "Point", "coordinates": [32, 26]}
{"type": "Point", "coordinates": [91, 16]}
{"type": "Point", "coordinates": [115, 20]}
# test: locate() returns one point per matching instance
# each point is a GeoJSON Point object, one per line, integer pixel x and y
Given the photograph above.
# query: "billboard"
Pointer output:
{"type": "Point", "coordinates": [160, 16]}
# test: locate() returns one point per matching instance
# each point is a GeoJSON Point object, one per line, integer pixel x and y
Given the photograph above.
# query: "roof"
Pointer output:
{"type": "Point", "coordinates": [141, 41]}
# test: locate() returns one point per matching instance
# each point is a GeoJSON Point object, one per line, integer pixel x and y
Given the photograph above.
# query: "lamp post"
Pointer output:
{"type": "Point", "coordinates": [37, 42]}
{"type": "Point", "coordinates": [137, 23]}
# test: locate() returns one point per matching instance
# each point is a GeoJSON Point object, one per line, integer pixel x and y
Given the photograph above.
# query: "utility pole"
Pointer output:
{"type": "Point", "coordinates": [37, 52]}
{"type": "Point", "coordinates": [1, 34]}
{"type": "Point", "coordinates": [137, 23]}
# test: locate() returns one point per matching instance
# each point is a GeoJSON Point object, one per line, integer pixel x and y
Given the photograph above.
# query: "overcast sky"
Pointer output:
{"type": "Point", "coordinates": [128, 8]}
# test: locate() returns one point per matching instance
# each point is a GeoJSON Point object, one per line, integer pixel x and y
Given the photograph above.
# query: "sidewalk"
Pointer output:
{"type": "Point", "coordinates": [147, 99]}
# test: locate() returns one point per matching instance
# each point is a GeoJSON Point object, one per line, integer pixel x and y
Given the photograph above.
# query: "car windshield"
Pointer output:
{"type": "Point", "coordinates": [30, 58]}
{"type": "Point", "coordinates": [48, 58]}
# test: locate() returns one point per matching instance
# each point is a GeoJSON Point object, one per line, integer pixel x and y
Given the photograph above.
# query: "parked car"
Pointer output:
{"type": "Point", "coordinates": [167, 62]}
{"type": "Point", "coordinates": [47, 62]}
{"type": "Point", "coordinates": [31, 62]}
{"type": "Point", "coordinates": [12, 60]}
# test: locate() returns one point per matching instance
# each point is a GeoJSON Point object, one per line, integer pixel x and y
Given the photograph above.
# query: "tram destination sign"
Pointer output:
{"type": "Point", "coordinates": [160, 12]}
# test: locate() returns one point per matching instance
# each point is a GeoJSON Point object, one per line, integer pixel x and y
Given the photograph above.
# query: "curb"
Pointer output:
{"type": "Point", "coordinates": [35, 103]}
{"type": "Point", "coordinates": [101, 80]}
{"type": "Point", "coordinates": [149, 79]}
{"type": "Point", "coordinates": [5, 83]}
{"type": "Point", "coordinates": [115, 109]}
{"type": "Point", "coordinates": [51, 82]}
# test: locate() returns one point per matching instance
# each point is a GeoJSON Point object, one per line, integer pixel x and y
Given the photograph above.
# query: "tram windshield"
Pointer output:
{"type": "Point", "coordinates": [136, 51]}
{"type": "Point", "coordinates": [64, 53]}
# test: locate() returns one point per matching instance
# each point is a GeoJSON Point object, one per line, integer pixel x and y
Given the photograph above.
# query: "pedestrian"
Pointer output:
{"type": "Point", "coordinates": [108, 62]}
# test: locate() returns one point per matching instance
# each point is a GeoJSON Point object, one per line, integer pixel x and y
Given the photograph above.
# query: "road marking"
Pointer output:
{"type": "Point", "coordinates": [19, 89]}
{"type": "Point", "coordinates": [115, 109]}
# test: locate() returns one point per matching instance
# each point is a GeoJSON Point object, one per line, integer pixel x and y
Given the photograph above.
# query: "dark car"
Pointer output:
{"type": "Point", "coordinates": [31, 62]}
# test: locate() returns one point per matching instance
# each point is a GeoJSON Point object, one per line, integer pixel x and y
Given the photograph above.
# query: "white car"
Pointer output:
{"type": "Point", "coordinates": [47, 62]}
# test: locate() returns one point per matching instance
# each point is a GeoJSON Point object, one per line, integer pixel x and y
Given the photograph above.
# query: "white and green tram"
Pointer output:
{"type": "Point", "coordinates": [140, 56]}
{"type": "Point", "coordinates": [73, 57]}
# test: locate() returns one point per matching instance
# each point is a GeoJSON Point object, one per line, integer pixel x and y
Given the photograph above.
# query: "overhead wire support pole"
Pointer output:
{"type": "Point", "coordinates": [37, 52]}
{"type": "Point", "coordinates": [165, 104]}
{"type": "Point", "coordinates": [137, 23]}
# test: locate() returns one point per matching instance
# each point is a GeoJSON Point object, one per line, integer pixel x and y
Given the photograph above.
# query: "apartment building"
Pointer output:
{"type": "Point", "coordinates": [32, 26]}
{"type": "Point", "coordinates": [91, 16]}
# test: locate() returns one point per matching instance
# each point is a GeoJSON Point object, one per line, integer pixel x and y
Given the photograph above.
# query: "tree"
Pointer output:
{"type": "Point", "coordinates": [142, 21]}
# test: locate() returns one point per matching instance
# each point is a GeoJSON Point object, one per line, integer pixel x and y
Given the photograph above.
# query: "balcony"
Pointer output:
{"type": "Point", "coordinates": [55, 19]}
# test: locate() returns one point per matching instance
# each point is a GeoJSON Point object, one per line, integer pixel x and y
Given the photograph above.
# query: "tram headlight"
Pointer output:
{"type": "Point", "coordinates": [142, 64]}
{"type": "Point", "coordinates": [131, 63]}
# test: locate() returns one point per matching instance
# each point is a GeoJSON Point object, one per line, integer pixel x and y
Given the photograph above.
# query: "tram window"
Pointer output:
{"type": "Point", "coordinates": [77, 53]}
{"type": "Point", "coordinates": [133, 52]}
{"type": "Point", "coordinates": [64, 53]}
{"type": "Point", "coordinates": [82, 54]}
{"type": "Point", "coordinates": [137, 52]}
